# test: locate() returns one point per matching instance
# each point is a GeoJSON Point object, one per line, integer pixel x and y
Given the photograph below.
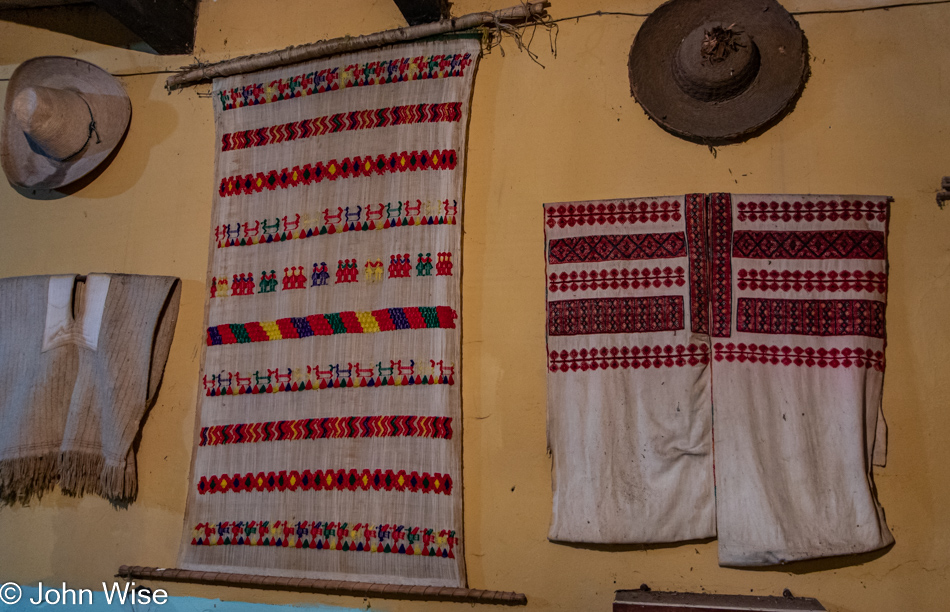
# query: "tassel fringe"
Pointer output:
{"type": "Point", "coordinates": [75, 472]}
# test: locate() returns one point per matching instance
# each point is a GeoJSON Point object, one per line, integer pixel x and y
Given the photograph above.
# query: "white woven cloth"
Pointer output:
{"type": "Point", "coordinates": [763, 314]}
{"type": "Point", "coordinates": [328, 439]}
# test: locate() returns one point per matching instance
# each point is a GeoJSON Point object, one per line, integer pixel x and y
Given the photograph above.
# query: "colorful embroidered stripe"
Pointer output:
{"type": "Point", "coordinates": [798, 280]}
{"type": "Point", "coordinates": [350, 322]}
{"type": "Point", "coordinates": [332, 170]}
{"type": "Point", "coordinates": [324, 535]}
{"type": "Point", "coordinates": [844, 210]}
{"type": "Point", "coordinates": [831, 244]}
{"type": "Point", "coordinates": [397, 70]}
{"type": "Point", "coordinates": [720, 213]}
{"type": "Point", "coordinates": [444, 112]}
{"type": "Point", "coordinates": [616, 279]}
{"type": "Point", "coordinates": [811, 317]}
{"type": "Point", "coordinates": [612, 213]}
{"type": "Point", "coordinates": [327, 480]}
{"type": "Point", "coordinates": [799, 356]}
{"type": "Point", "coordinates": [625, 357]}
{"type": "Point", "coordinates": [588, 249]}
{"type": "Point", "coordinates": [316, 382]}
{"type": "Point", "coordinates": [697, 240]}
{"type": "Point", "coordinates": [615, 315]}
{"type": "Point", "coordinates": [393, 426]}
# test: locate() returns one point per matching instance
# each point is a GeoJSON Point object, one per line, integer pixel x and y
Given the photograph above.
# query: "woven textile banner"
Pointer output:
{"type": "Point", "coordinates": [762, 313]}
{"type": "Point", "coordinates": [328, 442]}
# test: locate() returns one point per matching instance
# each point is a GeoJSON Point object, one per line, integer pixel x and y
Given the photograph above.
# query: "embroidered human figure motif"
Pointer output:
{"type": "Point", "coordinates": [294, 278]}
{"type": "Point", "coordinates": [424, 265]}
{"type": "Point", "coordinates": [346, 271]}
{"type": "Point", "coordinates": [222, 291]}
{"type": "Point", "coordinates": [443, 266]}
{"type": "Point", "coordinates": [268, 282]}
{"type": "Point", "coordinates": [214, 286]}
{"type": "Point", "coordinates": [320, 275]}
{"type": "Point", "coordinates": [374, 271]}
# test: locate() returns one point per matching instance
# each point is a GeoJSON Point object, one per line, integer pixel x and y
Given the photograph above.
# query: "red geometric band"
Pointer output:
{"type": "Point", "coordinates": [832, 244]}
{"type": "Point", "coordinates": [811, 317]}
{"type": "Point", "coordinates": [343, 122]}
{"type": "Point", "coordinates": [811, 211]}
{"type": "Point", "coordinates": [797, 280]}
{"type": "Point", "coordinates": [329, 535]}
{"type": "Point", "coordinates": [394, 426]}
{"type": "Point", "coordinates": [637, 357]}
{"type": "Point", "coordinates": [349, 322]}
{"type": "Point", "coordinates": [616, 279]}
{"type": "Point", "coordinates": [809, 357]}
{"type": "Point", "coordinates": [697, 239]}
{"type": "Point", "coordinates": [611, 213]}
{"type": "Point", "coordinates": [332, 170]}
{"type": "Point", "coordinates": [327, 480]}
{"type": "Point", "coordinates": [615, 315]}
{"type": "Point", "coordinates": [589, 249]}
{"type": "Point", "coordinates": [721, 245]}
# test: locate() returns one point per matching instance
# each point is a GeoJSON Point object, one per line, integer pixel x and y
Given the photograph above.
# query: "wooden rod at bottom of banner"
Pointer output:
{"type": "Point", "coordinates": [334, 587]}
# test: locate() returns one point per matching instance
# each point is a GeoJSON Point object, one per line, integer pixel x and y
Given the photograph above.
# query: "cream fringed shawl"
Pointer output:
{"type": "Point", "coordinates": [79, 365]}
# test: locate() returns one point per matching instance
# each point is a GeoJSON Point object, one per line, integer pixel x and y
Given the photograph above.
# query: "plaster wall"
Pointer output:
{"type": "Point", "coordinates": [874, 118]}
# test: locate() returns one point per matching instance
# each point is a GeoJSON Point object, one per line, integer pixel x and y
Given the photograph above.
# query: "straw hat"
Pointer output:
{"type": "Point", "coordinates": [717, 71]}
{"type": "Point", "coordinates": [62, 118]}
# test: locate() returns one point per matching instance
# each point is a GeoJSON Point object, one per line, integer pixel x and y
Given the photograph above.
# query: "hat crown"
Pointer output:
{"type": "Point", "coordinates": [715, 62]}
{"type": "Point", "coordinates": [56, 121]}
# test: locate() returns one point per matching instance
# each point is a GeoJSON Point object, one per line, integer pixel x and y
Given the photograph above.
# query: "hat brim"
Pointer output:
{"type": "Point", "coordinates": [108, 102]}
{"type": "Point", "coordinates": [780, 79]}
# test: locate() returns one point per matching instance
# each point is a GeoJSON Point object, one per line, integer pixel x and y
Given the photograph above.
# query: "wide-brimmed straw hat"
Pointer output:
{"type": "Point", "coordinates": [718, 71]}
{"type": "Point", "coordinates": [62, 118]}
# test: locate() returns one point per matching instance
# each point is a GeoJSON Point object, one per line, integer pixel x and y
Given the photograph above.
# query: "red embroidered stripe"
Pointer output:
{"type": "Point", "coordinates": [797, 280]}
{"type": "Point", "coordinates": [616, 279]}
{"type": "Point", "coordinates": [343, 122]}
{"type": "Point", "coordinates": [327, 480]}
{"type": "Point", "coordinates": [628, 357]}
{"type": "Point", "coordinates": [328, 535]}
{"type": "Point", "coordinates": [332, 170]}
{"type": "Point", "coordinates": [811, 317]}
{"type": "Point", "coordinates": [698, 248]}
{"type": "Point", "coordinates": [612, 213]}
{"type": "Point", "coordinates": [832, 244]}
{"type": "Point", "coordinates": [798, 356]}
{"type": "Point", "coordinates": [588, 249]}
{"type": "Point", "coordinates": [844, 210]}
{"type": "Point", "coordinates": [394, 426]}
{"type": "Point", "coordinates": [615, 315]}
{"type": "Point", "coordinates": [396, 70]}
{"type": "Point", "coordinates": [721, 240]}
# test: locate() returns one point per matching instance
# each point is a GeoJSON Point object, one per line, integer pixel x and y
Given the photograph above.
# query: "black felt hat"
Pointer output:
{"type": "Point", "coordinates": [718, 71]}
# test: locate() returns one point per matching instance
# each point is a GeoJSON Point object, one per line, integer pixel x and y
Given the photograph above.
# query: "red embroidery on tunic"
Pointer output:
{"type": "Point", "coordinates": [800, 356]}
{"type": "Point", "coordinates": [698, 248]}
{"type": "Point", "coordinates": [616, 279]}
{"type": "Point", "coordinates": [721, 262]}
{"type": "Point", "coordinates": [811, 211]}
{"type": "Point", "coordinates": [615, 315]}
{"type": "Point", "coordinates": [811, 317]}
{"type": "Point", "coordinates": [808, 280]}
{"type": "Point", "coordinates": [612, 213]}
{"type": "Point", "coordinates": [628, 357]}
{"type": "Point", "coordinates": [843, 244]}
{"type": "Point", "coordinates": [588, 249]}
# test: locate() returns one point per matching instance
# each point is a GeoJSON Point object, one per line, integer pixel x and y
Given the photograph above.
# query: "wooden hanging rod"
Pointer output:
{"type": "Point", "coordinates": [292, 55]}
{"type": "Point", "coordinates": [334, 587]}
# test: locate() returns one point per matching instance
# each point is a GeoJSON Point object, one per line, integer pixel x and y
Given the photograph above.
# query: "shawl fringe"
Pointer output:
{"type": "Point", "coordinates": [23, 477]}
{"type": "Point", "coordinates": [80, 472]}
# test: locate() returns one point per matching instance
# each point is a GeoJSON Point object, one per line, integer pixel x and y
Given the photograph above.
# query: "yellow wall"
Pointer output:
{"type": "Point", "coordinates": [874, 118]}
